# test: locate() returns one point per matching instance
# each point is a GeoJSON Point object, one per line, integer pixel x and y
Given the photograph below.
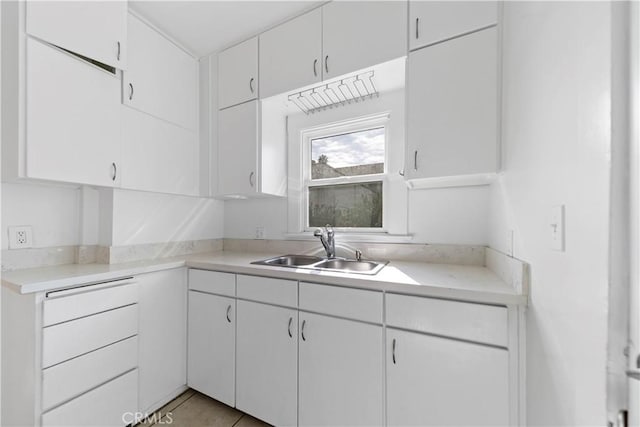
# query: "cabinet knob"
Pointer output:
{"type": "Point", "coordinates": [130, 91]}
{"type": "Point", "coordinates": [229, 313]}
{"type": "Point", "coordinates": [114, 171]}
{"type": "Point", "coordinates": [251, 84]}
{"type": "Point", "coordinates": [118, 54]}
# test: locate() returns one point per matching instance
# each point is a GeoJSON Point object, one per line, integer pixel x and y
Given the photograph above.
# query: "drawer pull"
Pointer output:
{"type": "Point", "coordinates": [393, 351]}
{"type": "Point", "coordinates": [289, 327]}
{"type": "Point", "coordinates": [228, 313]}
{"type": "Point", "coordinates": [304, 322]}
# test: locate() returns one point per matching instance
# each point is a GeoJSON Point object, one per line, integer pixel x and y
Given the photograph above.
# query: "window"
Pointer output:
{"type": "Point", "coordinates": [344, 180]}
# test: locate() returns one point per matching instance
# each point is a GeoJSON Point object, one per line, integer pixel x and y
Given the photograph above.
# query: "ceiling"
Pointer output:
{"type": "Point", "coordinates": [204, 27]}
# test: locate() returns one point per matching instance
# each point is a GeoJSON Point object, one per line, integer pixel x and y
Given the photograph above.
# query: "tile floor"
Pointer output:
{"type": "Point", "coordinates": [193, 409]}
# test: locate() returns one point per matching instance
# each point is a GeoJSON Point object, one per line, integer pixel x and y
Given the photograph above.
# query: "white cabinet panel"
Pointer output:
{"type": "Point", "coordinates": [162, 336]}
{"type": "Point", "coordinates": [291, 54]}
{"type": "Point", "coordinates": [267, 361]}
{"type": "Point", "coordinates": [73, 119]}
{"type": "Point", "coordinates": [433, 381]}
{"type": "Point", "coordinates": [161, 79]}
{"type": "Point", "coordinates": [212, 344]}
{"type": "Point", "coordinates": [238, 74]}
{"type": "Point", "coordinates": [269, 290]}
{"type": "Point", "coordinates": [358, 304]}
{"type": "Point", "coordinates": [359, 34]}
{"type": "Point", "coordinates": [433, 21]}
{"type": "Point", "coordinates": [452, 99]}
{"type": "Point", "coordinates": [106, 405]}
{"type": "Point", "coordinates": [214, 282]}
{"type": "Point", "coordinates": [157, 155]}
{"type": "Point", "coordinates": [238, 149]}
{"type": "Point", "coordinates": [95, 29]}
{"type": "Point", "coordinates": [340, 372]}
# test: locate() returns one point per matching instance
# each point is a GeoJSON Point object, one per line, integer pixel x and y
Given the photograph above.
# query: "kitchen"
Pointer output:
{"type": "Point", "coordinates": [477, 161]}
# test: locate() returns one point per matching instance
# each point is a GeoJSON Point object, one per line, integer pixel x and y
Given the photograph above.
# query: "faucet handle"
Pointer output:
{"type": "Point", "coordinates": [329, 229]}
{"type": "Point", "coordinates": [358, 255]}
{"type": "Point", "coordinates": [318, 232]}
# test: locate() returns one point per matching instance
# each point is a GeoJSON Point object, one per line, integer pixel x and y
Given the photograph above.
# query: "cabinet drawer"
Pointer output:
{"type": "Point", "coordinates": [69, 304]}
{"type": "Point", "coordinates": [107, 405]}
{"type": "Point", "coordinates": [212, 282]}
{"type": "Point", "coordinates": [467, 321]}
{"type": "Point", "coordinates": [273, 291]}
{"type": "Point", "coordinates": [344, 302]}
{"type": "Point", "coordinates": [66, 340]}
{"type": "Point", "coordinates": [76, 376]}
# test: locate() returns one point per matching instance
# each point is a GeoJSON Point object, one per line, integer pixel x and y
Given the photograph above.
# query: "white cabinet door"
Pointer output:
{"type": "Point", "coordinates": [95, 29]}
{"type": "Point", "coordinates": [162, 336]}
{"type": "Point", "coordinates": [238, 149]}
{"type": "Point", "coordinates": [157, 155]}
{"type": "Point", "coordinates": [73, 118]}
{"type": "Point", "coordinates": [212, 343]}
{"type": "Point", "coordinates": [238, 74]}
{"type": "Point", "coordinates": [452, 102]}
{"type": "Point", "coordinates": [162, 79]}
{"type": "Point", "coordinates": [267, 362]}
{"type": "Point", "coordinates": [340, 372]}
{"type": "Point", "coordinates": [359, 34]}
{"type": "Point", "coordinates": [434, 381]}
{"type": "Point", "coordinates": [291, 54]}
{"type": "Point", "coordinates": [434, 21]}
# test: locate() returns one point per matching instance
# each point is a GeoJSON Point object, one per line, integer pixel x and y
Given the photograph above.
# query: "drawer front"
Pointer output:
{"type": "Point", "coordinates": [355, 304]}
{"type": "Point", "coordinates": [473, 322]}
{"type": "Point", "coordinates": [66, 340]}
{"type": "Point", "coordinates": [69, 304]}
{"type": "Point", "coordinates": [112, 404]}
{"type": "Point", "coordinates": [273, 291]}
{"type": "Point", "coordinates": [213, 282]}
{"type": "Point", "coordinates": [76, 376]}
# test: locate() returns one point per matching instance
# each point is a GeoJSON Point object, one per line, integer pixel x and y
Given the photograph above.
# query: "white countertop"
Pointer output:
{"type": "Point", "coordinates": [469, 283]}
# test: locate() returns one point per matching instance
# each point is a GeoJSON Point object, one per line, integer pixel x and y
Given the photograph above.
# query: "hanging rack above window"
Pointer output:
{"type": "Point", "coordinates": [334, 94]}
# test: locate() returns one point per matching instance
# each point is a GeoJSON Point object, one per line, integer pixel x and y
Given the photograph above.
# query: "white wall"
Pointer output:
{"type": "Point", "coordinates": [52, 211]}
{"type": "Point", "coordinates": [140, 218]}
{"type": "Point", "coordinates": [557, 143]}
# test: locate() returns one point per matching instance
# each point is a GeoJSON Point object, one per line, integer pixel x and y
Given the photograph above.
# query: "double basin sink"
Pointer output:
{"type": "Point", "coordinates": [342, 265]}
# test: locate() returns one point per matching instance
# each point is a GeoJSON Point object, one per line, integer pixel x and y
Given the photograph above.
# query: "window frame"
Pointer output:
{"type": "Point", "coordinates": [373, 121]}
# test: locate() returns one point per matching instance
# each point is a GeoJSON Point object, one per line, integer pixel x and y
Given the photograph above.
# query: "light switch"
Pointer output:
{"type": "Point", "coordinates": [556, 225]}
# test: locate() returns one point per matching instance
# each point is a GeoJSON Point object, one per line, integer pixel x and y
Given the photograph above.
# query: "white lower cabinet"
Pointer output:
{"type": "Point", "coordinates": [340, 372]}
{"type": "Point", "coordinates": [438, 381]}
{"type": "Point", "coordinates": [162, 337]}
{"type": "Point", "coordinates": [267, 362]}
{"type": "Point", "coordinates": [212, 344]}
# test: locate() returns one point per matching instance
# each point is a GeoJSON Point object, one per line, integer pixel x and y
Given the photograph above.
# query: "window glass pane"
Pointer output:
{"type": "Point", "coordinates": [346, 205]}
{"type": "Point", "coordinates": [351, 154]}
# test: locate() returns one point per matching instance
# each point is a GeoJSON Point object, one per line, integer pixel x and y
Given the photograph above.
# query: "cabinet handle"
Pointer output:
{"type": "Point", "coordinates": [417, 28]}
{"type": "Point", "coordinates": [326, 64]}
{"type": "Point", "coordinates": [114, 169]}
{"type": "Point", "coordinates": [315, 67]}
{"type": "Point", "coordinates": [415, 160]}
{"type": "Point", "coordinates": [118, 55]}
{"type": "Point", "coordinates": [228, 312]}
{"type": "Point", "coordinates": [251, 84]}
{"type": "Point", "coordinates": [251, 175]}
{"type": "Point", "coordinates": [401, 172]}
{"type": "Point", "coordinates": [289, 327]}
{"type": "Point", "coordinates": [130, 91]}
{"type": "Point", "coordinates": [393, 351]}
{"type": "Point", "coordinates": [304, 322]}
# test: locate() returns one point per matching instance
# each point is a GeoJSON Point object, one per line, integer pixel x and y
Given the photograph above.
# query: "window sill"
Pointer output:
{"type": "Point", "coordinates": [356, 237]}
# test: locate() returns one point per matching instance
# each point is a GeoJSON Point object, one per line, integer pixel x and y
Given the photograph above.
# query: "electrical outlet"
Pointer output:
{"type": "Point", "coordinates": [259, 233]}
{"type": "Point", "coordinates": [20, 237]}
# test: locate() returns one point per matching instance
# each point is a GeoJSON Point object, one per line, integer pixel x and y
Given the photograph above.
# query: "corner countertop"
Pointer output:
{"type": "Point", "coordinates": [460, 282]}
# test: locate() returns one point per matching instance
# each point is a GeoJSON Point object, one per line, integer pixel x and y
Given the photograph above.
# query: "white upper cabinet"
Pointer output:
{"type": "Point", "coordinates": [72, 118]}
{"type": "Point", "coordinates": [162, 79]}
{"type": "Point", "coordinates": [97, 30]}
{"type": "Point", "coordinates": [291, 54]}
{"type": "Point", "coordinates": [238, 74]}
{"type": "Point", "coordinates": [359, 34]}
{"type": "Point", "coordinates": [452, 107]}
{"type": "Point", "coordinates": [434, 21]}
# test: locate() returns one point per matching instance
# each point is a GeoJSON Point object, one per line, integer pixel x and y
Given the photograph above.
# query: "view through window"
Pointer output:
{"type": "Point", "coordinates": [346, 179]}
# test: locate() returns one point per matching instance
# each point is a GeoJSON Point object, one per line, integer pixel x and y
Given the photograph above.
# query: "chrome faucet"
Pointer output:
{"type": "Point", "coordinates": [327, 238]}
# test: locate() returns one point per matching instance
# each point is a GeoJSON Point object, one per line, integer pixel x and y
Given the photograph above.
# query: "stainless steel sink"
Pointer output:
{"type": "Point", "coordinates": [290, 260]}
{"type": "Point", "coordinates": [316, 263]}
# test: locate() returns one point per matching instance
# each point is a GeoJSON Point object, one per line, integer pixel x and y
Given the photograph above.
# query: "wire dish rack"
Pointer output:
{"type": "Point", "coordinates": [337, 93]}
